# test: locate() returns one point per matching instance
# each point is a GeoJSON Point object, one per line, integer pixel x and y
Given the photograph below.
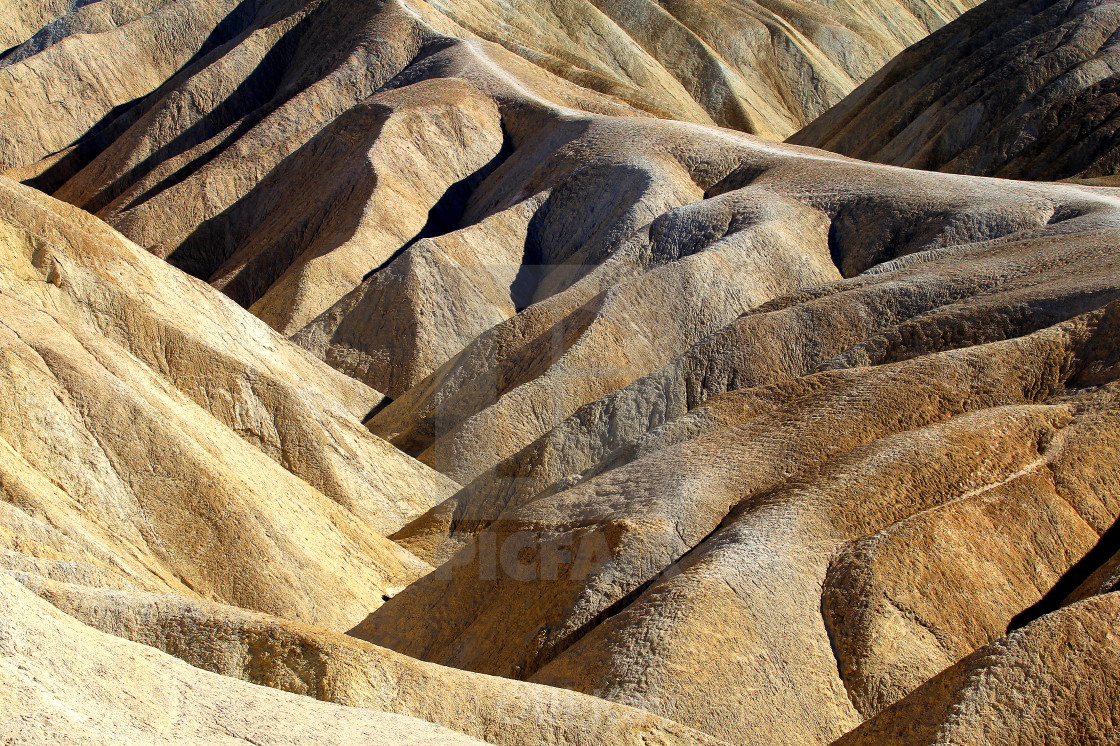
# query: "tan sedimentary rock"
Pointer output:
{"type": "Point", "coordinates": [44, 23]}
{"type": "Point", "coordinates": [64, 682]}
{"type": "Point", "coordinates": [1051, 682]}
{"type": "Point", "coordinates": [156, 430]}
{"type": "Point", "coordinates": [439, 295]}
{"type": "Point", "coordinates": [198, 170]}
{"type": "Point", "coordinates": [106, 70]}
{"type": "Point", "coordinates": [741, 515]}
{"type": "Point", "coordinates": [757, 66]}
{"type": "Point", "coordinates": [1016, 90]}
{"type": "Point", "coordinates": [696, 268]}
{"type": "Point", "coordinates": [336, 668]}
{"type": "Point", "coordinates": [768, 68]}
{"type": "Point", "coordinates": [737, 440]}
{"type": "Point", "coordinates": [954, 289]}
{"type": "Point", "coordinates": [21, 19]}
{"type": "Point", "coordinates": [191, 508]}
{"type": "Point", "coordinates": [863, 216]}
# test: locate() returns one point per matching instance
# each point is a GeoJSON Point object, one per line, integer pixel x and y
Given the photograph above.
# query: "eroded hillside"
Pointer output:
{"type": "Point", "coordinates": [1020, 90]}
{"type": "Point", "coordinates": [391, 355]}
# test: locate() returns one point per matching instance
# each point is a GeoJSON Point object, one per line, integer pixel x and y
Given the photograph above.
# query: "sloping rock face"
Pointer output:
{"type": "Point", "coordinates": [761, 67]}
{"type": "Point", "coordinates": [801, 534]}
{"type": "Point", "coordinates": [1020, 90]}
{"type": "Point", "coordinates": [187, 125]}
{"type": "Point", "coordinates": [66, 683]}
{"type": "Point", "coordinates": [160, 447]}
{"type": "Point", "coordinates": [588, 427]}
{"type": "Point", "coordinates": [336, 668]}
{"type": "Point", "coordinates": [22, 19]}
{"type": "Point", "coordinates": [1052, 682]}
{"type": "Point", "coordinates": [157, 434]}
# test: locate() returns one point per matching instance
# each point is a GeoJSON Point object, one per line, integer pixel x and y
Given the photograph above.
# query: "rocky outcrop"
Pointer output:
{"type": "Point", "coordinates": [767, 68]}
{"type": "Point", "coordinates": [1052, 682]}
{"type": "Point", "coordinates": [756, 522]}
{"type": "Point", "coordinates": [1010, 89]}
{"type": "Point", "coordinates": [195, 159]}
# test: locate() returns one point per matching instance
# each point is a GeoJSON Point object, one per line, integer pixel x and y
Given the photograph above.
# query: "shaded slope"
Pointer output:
{"type": "Point", "coordinates": [1011, 89]}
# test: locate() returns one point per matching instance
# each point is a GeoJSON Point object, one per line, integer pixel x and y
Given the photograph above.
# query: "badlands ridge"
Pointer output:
{"type": "Point", "coordinates": [389, 371]}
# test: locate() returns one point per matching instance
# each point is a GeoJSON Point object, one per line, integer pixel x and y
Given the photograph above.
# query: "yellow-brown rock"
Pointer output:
{"type": "Point", "coordinates": [336, 668]}
{"type": "Point", "coordinates": [64, 682]}
{"type": "Point", "coordinates": [1051, 682]}
{"type": "Point", "coordinates": [164, 434]}
{"type": "Point", "coordinates": [411, 357]}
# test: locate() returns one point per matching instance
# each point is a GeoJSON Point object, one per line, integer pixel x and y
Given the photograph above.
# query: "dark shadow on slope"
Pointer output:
{"type": "Point", "coordinates": [295, 63]}
{"type": "Point", "coordinates": [1105, 549]}
{"type": "Point", "coordinates": [318, 228]}
{"type": "Point", "coordinates": [47, 36]}
{"type": "Point", "coordinates": [377, 408]}
{"type": "Point", "coordinates": [834, 251]}
{"type": "Point", "coordinates": [744, 175]}
{"type": "Point", "coordinates": [114, 124]}
{"type": "Point", "coordinates": [254, 99]}
{"type": "Point", "coordinates": [532, 270]}
{"type": "Point", "coordinates": [446, 215]}
{"type": "Point", "coordinates": [99, 137]}
{"type": "Point", "coordinates": [215, 241]}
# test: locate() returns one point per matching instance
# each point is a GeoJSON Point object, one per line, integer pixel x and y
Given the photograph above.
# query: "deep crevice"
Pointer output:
{"type": "Point", "coordinates": [524, 286]}
{"type": "Point", "coordinates": [835, 652]}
